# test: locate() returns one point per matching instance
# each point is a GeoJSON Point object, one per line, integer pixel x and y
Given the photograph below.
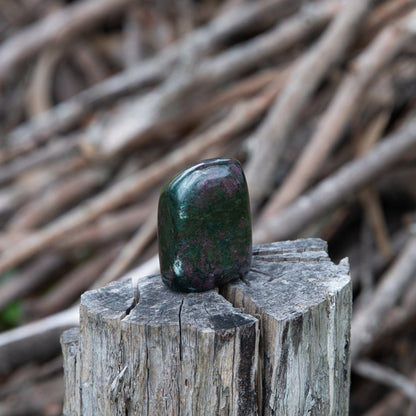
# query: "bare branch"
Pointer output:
{"type": "Point", "coordinates": [243, 116]}
{"type": "Point", "coordinates": [340, 110]}
{"type": "Point", "coordinates": [54, 29]}
{"type": "Point", "coordinates": [68, 113]}
{"type": "Point", "coordinates": [130, 252]}
{"type": "Point", "coordinates": [387, 376]}
{"type": "Point", "coordinates": [367, 321]}
{"type": "Point", "coordinates": [126, 129]}
{"type": "Point", "coordinates": [277, 127]}
{"type": "Point", "coordinates": [337, 188]}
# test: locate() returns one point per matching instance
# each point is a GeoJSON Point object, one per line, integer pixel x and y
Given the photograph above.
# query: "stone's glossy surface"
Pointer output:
{"type": "Point", "coordinates": [204, 226]}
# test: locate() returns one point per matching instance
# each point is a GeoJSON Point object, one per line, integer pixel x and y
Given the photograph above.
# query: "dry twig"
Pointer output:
{"type": "Point", "coordinates": [55, 199]}
{"type": "Point", "coordinates": [270, 137]}
{"type": "Point", "coordinates": [153, 70]}
{"type": "Point", "coordinates": [55, 29]}
{"type": "Point", "coordinates": [163, 103]}
{"type": "Point", "coordinates": [197, 86]}
{"type": "Point", "coordinates": [130, 252]}
{"type": "Point", "coordinates": [337, 188]}
{"type": "Point", "coordinates": [387, 376]}
{"type": "Point", "coordinates": [241, 117]}
{"type": "Point", "coordinates": [77, 281]}
{"type": "Point", "coordinates": [31, 277]}
{"type": "Point", "coordinates": [367, 321]}
{"type": "Point", "coordinates": [340, 110]}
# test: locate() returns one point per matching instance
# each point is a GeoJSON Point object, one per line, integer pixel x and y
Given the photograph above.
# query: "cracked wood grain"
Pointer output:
{"type": "Point", "coordinates": [275, 343]}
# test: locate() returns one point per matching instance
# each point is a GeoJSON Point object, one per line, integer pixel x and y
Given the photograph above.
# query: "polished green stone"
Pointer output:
{"type": "Point", "coordinates": [204, 226]}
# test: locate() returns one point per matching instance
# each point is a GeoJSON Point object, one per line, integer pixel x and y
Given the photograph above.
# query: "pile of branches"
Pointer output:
{"type": "Point", "coordinates": [105, 100]}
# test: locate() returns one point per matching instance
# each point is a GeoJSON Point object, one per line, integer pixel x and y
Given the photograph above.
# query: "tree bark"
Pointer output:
{"type": "Point", "coordinates": [275, 343]}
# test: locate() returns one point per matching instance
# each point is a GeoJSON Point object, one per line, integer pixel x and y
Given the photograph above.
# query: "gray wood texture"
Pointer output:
{"type": "Point", "coordinates": [276, 343]}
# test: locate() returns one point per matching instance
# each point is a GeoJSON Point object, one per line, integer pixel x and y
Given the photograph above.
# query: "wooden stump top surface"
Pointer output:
{"type": "Point", "coordinates": [289, 277]}
{"type": "Point", "coordinates": [286, 278]}
{"type": "Point", "coordinates": [277, 340]}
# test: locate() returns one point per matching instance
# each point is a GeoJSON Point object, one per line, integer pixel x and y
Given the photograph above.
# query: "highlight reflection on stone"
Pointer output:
{"type": "Point", "coordinates": [204, 226]}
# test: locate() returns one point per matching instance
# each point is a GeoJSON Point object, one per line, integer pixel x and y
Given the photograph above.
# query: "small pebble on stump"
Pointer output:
{"type": "Point", "coordinates": [204, 226]}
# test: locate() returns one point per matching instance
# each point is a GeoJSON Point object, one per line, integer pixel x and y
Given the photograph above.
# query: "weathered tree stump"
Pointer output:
{"type": "Point", "coordinates": [276, 343]}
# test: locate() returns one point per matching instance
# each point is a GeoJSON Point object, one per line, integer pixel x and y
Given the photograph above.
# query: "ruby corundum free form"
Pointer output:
{"type": "Point", "coordinates": [204, 226]}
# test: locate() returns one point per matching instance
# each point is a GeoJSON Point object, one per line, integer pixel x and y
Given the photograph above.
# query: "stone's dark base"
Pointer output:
{"type": "Point", "coordinates": [204, 226]}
